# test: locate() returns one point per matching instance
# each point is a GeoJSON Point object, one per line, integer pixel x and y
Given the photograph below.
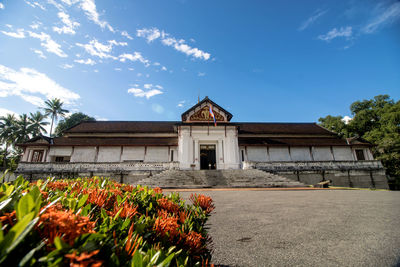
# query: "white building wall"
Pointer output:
{"type": "Point", "coordinates": [322, 153]}
{"type": "Point", "coordinates": [84, 154]}
{"type": "Point", "coordinates": [343, 153]}
{"type": "Point", "coordinates": [255, 153]}
{"type": "Point", "coordinates": [156, 154]}
{"type": "Point", "coordinates": [300, 154]}
{"type": "Point", "coordinates": [135, 153]}
{"type": "Point", "coordinates": [64, 151]}
{"type": "Point", "coordinates": [279, 154]}
{"type": "Point", "coordinates": [109, 154]}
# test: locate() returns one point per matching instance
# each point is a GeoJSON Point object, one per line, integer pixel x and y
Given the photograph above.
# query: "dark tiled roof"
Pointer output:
{"type": "Point", "coordinates": [75, 141]}
{"type": "Point", "coordinates": [249, 141]}
{"type": "Point", "coordinates": [124, 127]}
{"type": "Point", "coordinates": [281, 128]}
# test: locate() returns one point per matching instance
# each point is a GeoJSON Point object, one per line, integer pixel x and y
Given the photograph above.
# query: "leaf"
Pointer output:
{"type": "Point", "coordinates": [17, 234]}
{"type": "Point", "coordinates": [166, 262]}
{"type": "Point", "coordinates": [137, 260]}
{"type": "Point", "coordinates": [3, 176]}
{"type": "Point", "coordinates": [4, 203]}
{"type": "Point", "coordinates": [82, 200]}
{"type": "Point", "coordinates": [25, 205]}
{"type": "Point", "coordinates": [60, 244]}
{"type": "Point", "coordinates": [30, 254]}
{"type": "Point", "coordinates": [154, 259]}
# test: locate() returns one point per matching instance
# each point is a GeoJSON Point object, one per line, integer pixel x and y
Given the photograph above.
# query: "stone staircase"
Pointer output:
{"type": "Point", "coordinates": [218, 178]}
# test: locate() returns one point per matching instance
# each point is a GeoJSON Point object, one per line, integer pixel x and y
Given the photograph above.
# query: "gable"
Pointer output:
{"type": "Point", "coordinates": [201, 112]}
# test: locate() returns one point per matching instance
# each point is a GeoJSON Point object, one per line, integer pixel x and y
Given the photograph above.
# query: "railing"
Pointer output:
{"type": "Point", "coordinates": [76, 167]}
{"type": "Point", "coordinates": [314, 165]}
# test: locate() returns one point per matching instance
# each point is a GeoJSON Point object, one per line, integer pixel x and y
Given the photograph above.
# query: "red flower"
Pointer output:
{"type": "Point", "coordinates": [204, 202]}
{"type": "Point", "coordinates": [168, 205]}
{"type": "Point", "coordinates": [84, 259]}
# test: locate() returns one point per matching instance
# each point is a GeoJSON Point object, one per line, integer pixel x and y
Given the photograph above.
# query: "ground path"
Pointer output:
{"type": "Point", "coordinates": [305, 227]}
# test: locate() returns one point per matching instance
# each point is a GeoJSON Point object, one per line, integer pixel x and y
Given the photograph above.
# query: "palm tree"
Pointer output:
{"type": "Point", "coordinates": [22, 129]}
{"type": "Point", "coordinates": [54, 108]}
{"type": "Point", "coordinates": [7, 133]}
{"type": "Point", "coordinates": [36, 123]}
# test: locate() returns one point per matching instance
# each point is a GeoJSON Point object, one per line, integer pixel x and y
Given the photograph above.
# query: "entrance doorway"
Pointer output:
{"type": "Point", "coordinates": [207, 157]}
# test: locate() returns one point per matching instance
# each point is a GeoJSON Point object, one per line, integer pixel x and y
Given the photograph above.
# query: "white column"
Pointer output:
{"type": "Point", "coordinates": [196, 152]}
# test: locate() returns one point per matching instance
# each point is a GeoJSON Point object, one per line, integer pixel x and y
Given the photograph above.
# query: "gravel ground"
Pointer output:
{"type": "Point", "coordinates": [305, 228]}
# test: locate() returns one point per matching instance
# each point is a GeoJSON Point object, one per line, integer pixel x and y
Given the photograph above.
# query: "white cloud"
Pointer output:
{"type": "Point", "coordinates": [4, 112]}
{"type": "Point", "coordinates": [89, 7]}
{"type": "Point", "coordinates": [149, 90]}
{"type": "Point", "coordinates": [95, 48]}
{"type": "Point", "coordinates": [151, 34]}
{"type": "Point", "coordinates": [201, 74]}
{"type": "Point", "coordinates": [347, 119]}
{"type": "Point", "coordinates": [131, 69]}
{"type": "Point", "coordinates": [35, 4]}
{"type": "Point", "coordinates": [117, 69]}
{"type": "Point", "coordinates": [334, 33]}
{"type": "Point", "coordinates": [67, 66]}
{"type": "Point", "coordinates": [39, 53]}
{"type": "Point", "coordinates": [48, 43]}
{"type": "Point", "coordinates": [126, 34]}
{"type": "Point", "coordinates": [18, 34]}
{"type": "Point", "coordinates": [2, 6]}
{"type": "Point", "coordinates": [35, 25]}
{"type": "Point", "coordinates": [69, 25]}
{"type": "Point", "coordinates": [136, 56]}
{"type": "Point", "coordinates": [32, 86]}
{"type": "Point", "coordinates": [181, 104]}
{"type": "Point", "coordinates": [387, 15]}
{"type": "Point", "coordinates": [157, 108]}
{"type": "Point", "coordinates": [164, 68]}
{"type": "Point", "coordinates": [317, 14]}
{"type": "Point", "coordinates": [88, 61]}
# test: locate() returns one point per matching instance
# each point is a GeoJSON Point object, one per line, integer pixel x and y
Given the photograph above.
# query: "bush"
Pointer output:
{"type": "Point", "coordinates": [96, 221]}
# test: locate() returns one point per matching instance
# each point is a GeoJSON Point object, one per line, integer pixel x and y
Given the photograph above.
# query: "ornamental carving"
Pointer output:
{"type": "Point", "coordinates": [204, 115]}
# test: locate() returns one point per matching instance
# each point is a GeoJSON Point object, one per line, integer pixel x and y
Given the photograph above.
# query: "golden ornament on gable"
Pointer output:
{"type": "Point", "coordinates": [204, 115]}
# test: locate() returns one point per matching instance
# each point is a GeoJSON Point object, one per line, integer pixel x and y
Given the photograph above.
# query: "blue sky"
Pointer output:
{"type": "Point", "coordinates": [289, 61]}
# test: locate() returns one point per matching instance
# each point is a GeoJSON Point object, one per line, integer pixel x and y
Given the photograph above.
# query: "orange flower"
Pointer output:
{"type": "Point", "coordinates": [84, 259]}
{"type": "Point", "coordinates": [131, 247]}
{"type": "Point", "coordinates": [183, 215]}
{"type": "Point", "coordinates": [128, 211]}
{"type": "Point", "coordinates": [194, 241]}
{"type": "Point", "coordinates": [65, 224]}
{"type": "Point", "coordinates": [165, 224]}
{"type": "Point", "coordinates": [204, 202]}
{"type": "Point", "coordinates": [8, 217]}
{"type": "Point", "coordinates": [168, 205]}
{"type": "Point", "coordinates": [57, 185]}
{"type": "Point", "coordinates": [157, 190]}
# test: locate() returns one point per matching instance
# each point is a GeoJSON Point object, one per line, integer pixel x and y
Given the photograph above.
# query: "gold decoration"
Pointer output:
{"type": "Point", "coordinates": [204, 115]}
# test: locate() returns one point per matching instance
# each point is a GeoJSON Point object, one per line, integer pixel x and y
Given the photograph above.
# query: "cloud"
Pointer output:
{"type": "Point", "coordinates": [48, 43]}
{"type": "Point", "coordinates": [151, 34]}
{"type": "Point", "coordinates": [39, 53]}
{"type": "Point", "coordinates": [157, 108]}
{"type": "Point", "coordinates": [86, 62]}
{"type": "Point", "coordinates": [334, 33]}
{"type": "Point", "coordinates": [32, 86]}
{"type": "Point", "coordinates": [149, 90]}
{"type": "Point", "coordinates": [35, 4]}
{"type": "Point", "coordinates": [4, 112]}
{"type": "Point", "coordinates": [2, 6]}
{"type": "Point", "coordinates": [89, 7]}
{"type": "Point", "coordinates": [18, 34]}
{"type": "Point", "coordinates": [201, 74]}
{"type": "Point", "coordinates": [181, 104]}
{"type": "Point", "coordinates": [387, 15]}
{"type": "Point", "coordinates": [69, 25]}
{"type": "Point", "coordinates": [126, 34]}
{"type": "Point", "coordinates": [67, 66]}
{"type": "Point", "coordinates": [136, 56]}
{"type": "Point", "coordinates": [347, 119]}
{"type": "Point", "coordinates": [95, 48]}
{"type": "Point", "coordinates": [317, 14]}
{"type": "Point", "coordinates": [35, 25]}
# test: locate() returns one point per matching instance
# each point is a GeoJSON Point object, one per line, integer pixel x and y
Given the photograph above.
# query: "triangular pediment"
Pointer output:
{"type": "Point", "coordinates": [201, 112]}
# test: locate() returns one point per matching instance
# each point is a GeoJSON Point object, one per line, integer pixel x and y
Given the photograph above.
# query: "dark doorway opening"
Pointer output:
{"type": "Point", "coordinates": [207, 157]}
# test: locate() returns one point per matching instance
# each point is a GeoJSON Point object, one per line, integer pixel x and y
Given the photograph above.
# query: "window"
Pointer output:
{"type": "Point", "coordinates": [360, 154]}
{"type": "Point", "coordinates": [59, 159]}
{"type": "Point", "coordinates": [172, 155]}
{"type": "Point", "coordinates": [242, 155]}
{"type": "Point", "coordinates": [37, 155]}
{"type": "Point", "coordinates": [62, 159]}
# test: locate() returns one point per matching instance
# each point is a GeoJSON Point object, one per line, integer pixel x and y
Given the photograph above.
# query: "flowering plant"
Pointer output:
{"type": "Point", "coordinates": [97, 221]}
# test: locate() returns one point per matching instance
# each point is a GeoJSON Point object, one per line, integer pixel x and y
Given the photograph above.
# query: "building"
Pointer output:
{"type": "Point", "coordinates": [305, 152]}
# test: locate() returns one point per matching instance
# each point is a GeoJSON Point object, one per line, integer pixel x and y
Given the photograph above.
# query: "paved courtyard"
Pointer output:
{"type": "Point", "coordinates": [305, 228]}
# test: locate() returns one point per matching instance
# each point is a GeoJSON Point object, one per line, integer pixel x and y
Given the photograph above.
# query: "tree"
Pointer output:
{"type": "Point", "coordinates": [54, 108]}
{"type": "Point", "coordinates": [376, 120]}
{"type": "Point", "coordinates": [7, 134]}
{"type": "Point", "coordinates": [71, 121]}
{"type": "Point", "coordinates": [37, 123]}
{"type": "Point", "coordinates": [21, 130]}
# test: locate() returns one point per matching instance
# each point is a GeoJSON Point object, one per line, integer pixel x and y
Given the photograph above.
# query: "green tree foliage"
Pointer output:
{"type": "Point", "coordinates": [7, 134]}
{"type": "Point", "coordinates": [376, 120]}
{"type": "Point", "coordinates": [37, 123]}
{"type": "Point", "coordinates": [53, 107]}
{"type": "Point", "coordinates": [71, 121]}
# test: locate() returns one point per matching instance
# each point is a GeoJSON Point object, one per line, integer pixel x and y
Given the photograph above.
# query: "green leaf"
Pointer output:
{"type": "Point", "coordinates": [82, 200]}
{"type": "Point", "coordinates": [30, 254]}
{"type": "Point", "coordinates": [25, 205]}
{"type": "Point", "coordinates": [137, 260]}
{"type": "Point", "coordinates": [60, 244]}
{"type": "Point", "coordinates": [17, 233]}
{"type": "Point", "coordinates": [4, 203]}
{"type": "Point", "coordinates": [154, 259]}
{"type": "Point", "coordinates": [166, 262]}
